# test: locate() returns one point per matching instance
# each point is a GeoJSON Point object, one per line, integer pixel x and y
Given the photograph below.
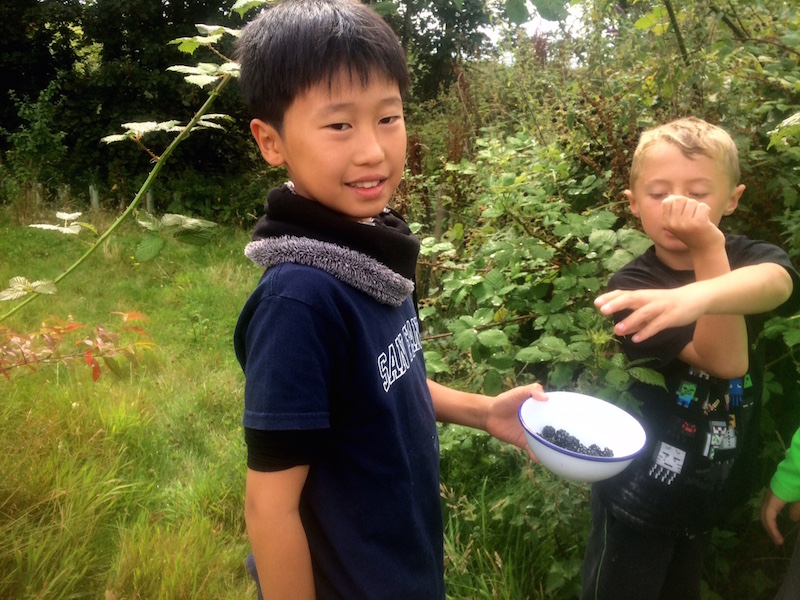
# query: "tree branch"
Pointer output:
{"type": "Point", "coordinates": [673, 19]}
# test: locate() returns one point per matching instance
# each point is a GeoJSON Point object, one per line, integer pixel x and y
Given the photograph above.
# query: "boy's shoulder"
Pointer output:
{"type": "Point", "coordinates": [300, 282]}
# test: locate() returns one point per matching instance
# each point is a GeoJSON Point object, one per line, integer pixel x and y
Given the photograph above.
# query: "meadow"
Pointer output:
{"type": "Point", "coordinates": [131, 486]}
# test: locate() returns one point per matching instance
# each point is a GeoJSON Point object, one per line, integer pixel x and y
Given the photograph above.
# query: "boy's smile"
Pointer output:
{"type": "Point", "coordinates": [343, 145]}
{"type": "Point", "coordinates": [700, 193]}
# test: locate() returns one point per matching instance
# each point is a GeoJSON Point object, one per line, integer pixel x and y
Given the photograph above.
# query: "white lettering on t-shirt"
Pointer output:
{"type": "Point", "coordinates": [399, 355]}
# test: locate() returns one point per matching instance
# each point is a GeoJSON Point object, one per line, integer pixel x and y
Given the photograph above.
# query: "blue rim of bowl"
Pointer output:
{"type": "Point", "coordinates": [602, 459]}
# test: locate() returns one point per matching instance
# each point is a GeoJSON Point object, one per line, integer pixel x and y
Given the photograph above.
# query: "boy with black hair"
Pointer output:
{"type": "Point", "coordinates": [693, 305]}
{"type": "Point", "coordinates": [342, 495]}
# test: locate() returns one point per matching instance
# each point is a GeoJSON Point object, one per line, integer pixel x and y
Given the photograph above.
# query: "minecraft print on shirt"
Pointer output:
{"type": "Point", "coordinates": [719, 437]}
{"type": "Point", "coordinates": [668, 463]}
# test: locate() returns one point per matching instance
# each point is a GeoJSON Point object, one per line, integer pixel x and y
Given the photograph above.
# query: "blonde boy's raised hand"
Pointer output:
{"type": "Point", "coordinates": [691, 222]}
{"type": "Point", "coordinates": [653, 309]}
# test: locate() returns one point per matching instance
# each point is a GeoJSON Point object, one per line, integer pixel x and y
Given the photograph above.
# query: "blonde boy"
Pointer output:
{"type": "Point", "coordinates": [693, 306]}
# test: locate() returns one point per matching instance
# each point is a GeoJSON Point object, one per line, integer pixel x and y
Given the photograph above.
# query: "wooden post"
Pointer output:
{"type": "Point", "coordinates": [94, 198]}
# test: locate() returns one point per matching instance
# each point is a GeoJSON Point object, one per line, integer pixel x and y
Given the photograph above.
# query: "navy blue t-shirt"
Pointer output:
{"type": "Point", "coordinates": [320, 355]}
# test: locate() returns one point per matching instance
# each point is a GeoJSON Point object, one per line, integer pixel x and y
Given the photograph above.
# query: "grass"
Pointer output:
{"type": "Point", "coordinates": [132, 487]}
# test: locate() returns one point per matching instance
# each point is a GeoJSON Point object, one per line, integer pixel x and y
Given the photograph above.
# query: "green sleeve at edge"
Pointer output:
{"type": "Point", "coordinates": [785, 483]}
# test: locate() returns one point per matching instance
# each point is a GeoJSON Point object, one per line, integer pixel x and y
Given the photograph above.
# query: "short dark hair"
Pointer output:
{"type": "Point", "coordinates": [299, 43]}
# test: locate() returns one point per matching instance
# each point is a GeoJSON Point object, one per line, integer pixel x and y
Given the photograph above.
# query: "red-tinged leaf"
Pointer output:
{"type": "Point", "coordinates": [138, 330]}
{"type": "Point", "coordinates": [92, 362]}
{"type": "Point", "coordinates": [131, 316]}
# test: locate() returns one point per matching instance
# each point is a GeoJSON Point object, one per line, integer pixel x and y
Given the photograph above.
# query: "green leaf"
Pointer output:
{"type": "Point", "coordinates": [648, 376]}
{"type": "Point", "coordinates": [19, 287]}
{"type": "Point", "coordinates": [465, 339]}
{"type": "Point", "coordinates": [617, 260]}
{"type": "Point", "coordinates": [649, 20]}
{"type": "Point", "coordinates": [508, 179]}
{"type": "Point", "coordinates": [517, 12]}
{"type": "Point", "coordinates": [384, 9]}
{"type": "Point", "coordinates": [552, 10]}
{"type": "Point", "coordinates": [788, 128]}
{"type": "Point", "coordinates": [186, 45]}
{"type": "Point", "coordinates": [791, 337]}
{"type": "Point", "coordinates": [194, 237]}
{"type": "Point", "coordinates": [113, 366]}
{"type": "Point", "coordinates": [148, 221]}
{"type": "Point", "coordinates": [148, 248]}
{"type": "Point", "coordinates": [602, 239]}
{"type": "Point", "coordinates": [633, 240]}
{"type": "Point", "coordinates": [200, 80]}
{"type": "Point", "coordinates": [110, 139]}
{"type": "Point", "coordinates": [660, 29]}
{"type": "Point", "coordinates": [495, 279]}
{"type": "Point", "coordinates": [617, 378]}
{"type": "Point", "coordinates": [492, 383]}
{"type": "Point", "coordinates": [216, 30]}
{"type": "Point", "coordinates": [243, 6]}
{"type": "Point", "coordinates": [553, 345]}
{"type": "Point", "coordinates": [532, 354]}
{"type": "Point", "coordinates": [791, 39]}
{"type": "Point", "coordinates": [434, 363]}
{"type": "Point", "coordinates": [187, 70]}
{"type": "Point", "coordinates": [493, 338]}
{"type": "Point", "coordinates": [501, 361]}
{"type": "Point", "coordinates": [493, 212]}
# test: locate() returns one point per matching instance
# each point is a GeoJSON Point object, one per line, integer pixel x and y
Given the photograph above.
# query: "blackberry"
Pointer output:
{"type": "Point", "coordinates": [563, 439]}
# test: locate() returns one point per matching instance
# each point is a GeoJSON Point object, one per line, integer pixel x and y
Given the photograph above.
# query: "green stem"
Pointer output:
{"type": "Point", "coordinates": [673, 19]}
{"type": "Point", "coordinates": [212, 96]}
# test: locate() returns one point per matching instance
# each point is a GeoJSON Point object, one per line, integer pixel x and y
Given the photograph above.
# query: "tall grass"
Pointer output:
{"type": "Point", "coordinates": [132, 486]}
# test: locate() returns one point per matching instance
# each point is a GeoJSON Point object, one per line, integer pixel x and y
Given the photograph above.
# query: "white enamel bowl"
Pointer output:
{"type": "Point", "coordinates": [592, 421]}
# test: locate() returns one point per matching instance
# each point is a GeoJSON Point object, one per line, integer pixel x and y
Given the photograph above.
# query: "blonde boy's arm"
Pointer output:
{"type": "Point", "coordinates": [719, 343]}
{"type": "Point", "coordinates": [277, 537]}
{"type": "Point", "coordinates": [748, 290]}
{"type": "Point", "coordinates": [497, 415]}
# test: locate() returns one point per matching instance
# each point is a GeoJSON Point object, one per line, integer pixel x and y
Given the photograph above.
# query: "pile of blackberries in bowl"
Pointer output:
{"type": "Point", "coordinates": [563, 439]}
{"type": "Point", "coordinates": [579, 437]}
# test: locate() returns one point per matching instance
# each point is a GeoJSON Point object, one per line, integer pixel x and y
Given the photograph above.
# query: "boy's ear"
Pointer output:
{"type": "Point", "coordinates": [632, 200]}
{"type": "Point", "coordinates": [733, 201]}
{"type": "Point", "coordinates": [268, 140]}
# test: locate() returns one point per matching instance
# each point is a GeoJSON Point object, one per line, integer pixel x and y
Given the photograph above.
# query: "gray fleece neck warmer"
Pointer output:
{"type": "Point", "coordinates": [353, 268]}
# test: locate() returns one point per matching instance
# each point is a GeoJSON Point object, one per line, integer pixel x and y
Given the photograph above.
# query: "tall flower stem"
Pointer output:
{"type": "Point", "coordinates": [212, 96]}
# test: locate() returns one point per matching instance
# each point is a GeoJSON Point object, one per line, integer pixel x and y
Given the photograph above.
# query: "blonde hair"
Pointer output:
{"type": "Point", "coordinates": [692, 136]}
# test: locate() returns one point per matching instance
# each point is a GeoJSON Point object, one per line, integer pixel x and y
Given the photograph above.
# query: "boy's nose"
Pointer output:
{"type": "Point", "coordinates": [369, 148]}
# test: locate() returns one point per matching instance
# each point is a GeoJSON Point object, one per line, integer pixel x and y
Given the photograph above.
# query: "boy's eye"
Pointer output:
{"type": "Point", "coordinates": [658, 195]}
{"type": "Point", "coordinates": [389, 120]}
{"type": "Point", "coordinates": [339, 126]}
{"type": "Point", "coordinates": [698, 195]}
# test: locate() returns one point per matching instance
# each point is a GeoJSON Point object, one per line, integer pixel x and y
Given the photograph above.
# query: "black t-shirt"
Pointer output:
{"type": "Point", "coordinates": [702, 431]}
